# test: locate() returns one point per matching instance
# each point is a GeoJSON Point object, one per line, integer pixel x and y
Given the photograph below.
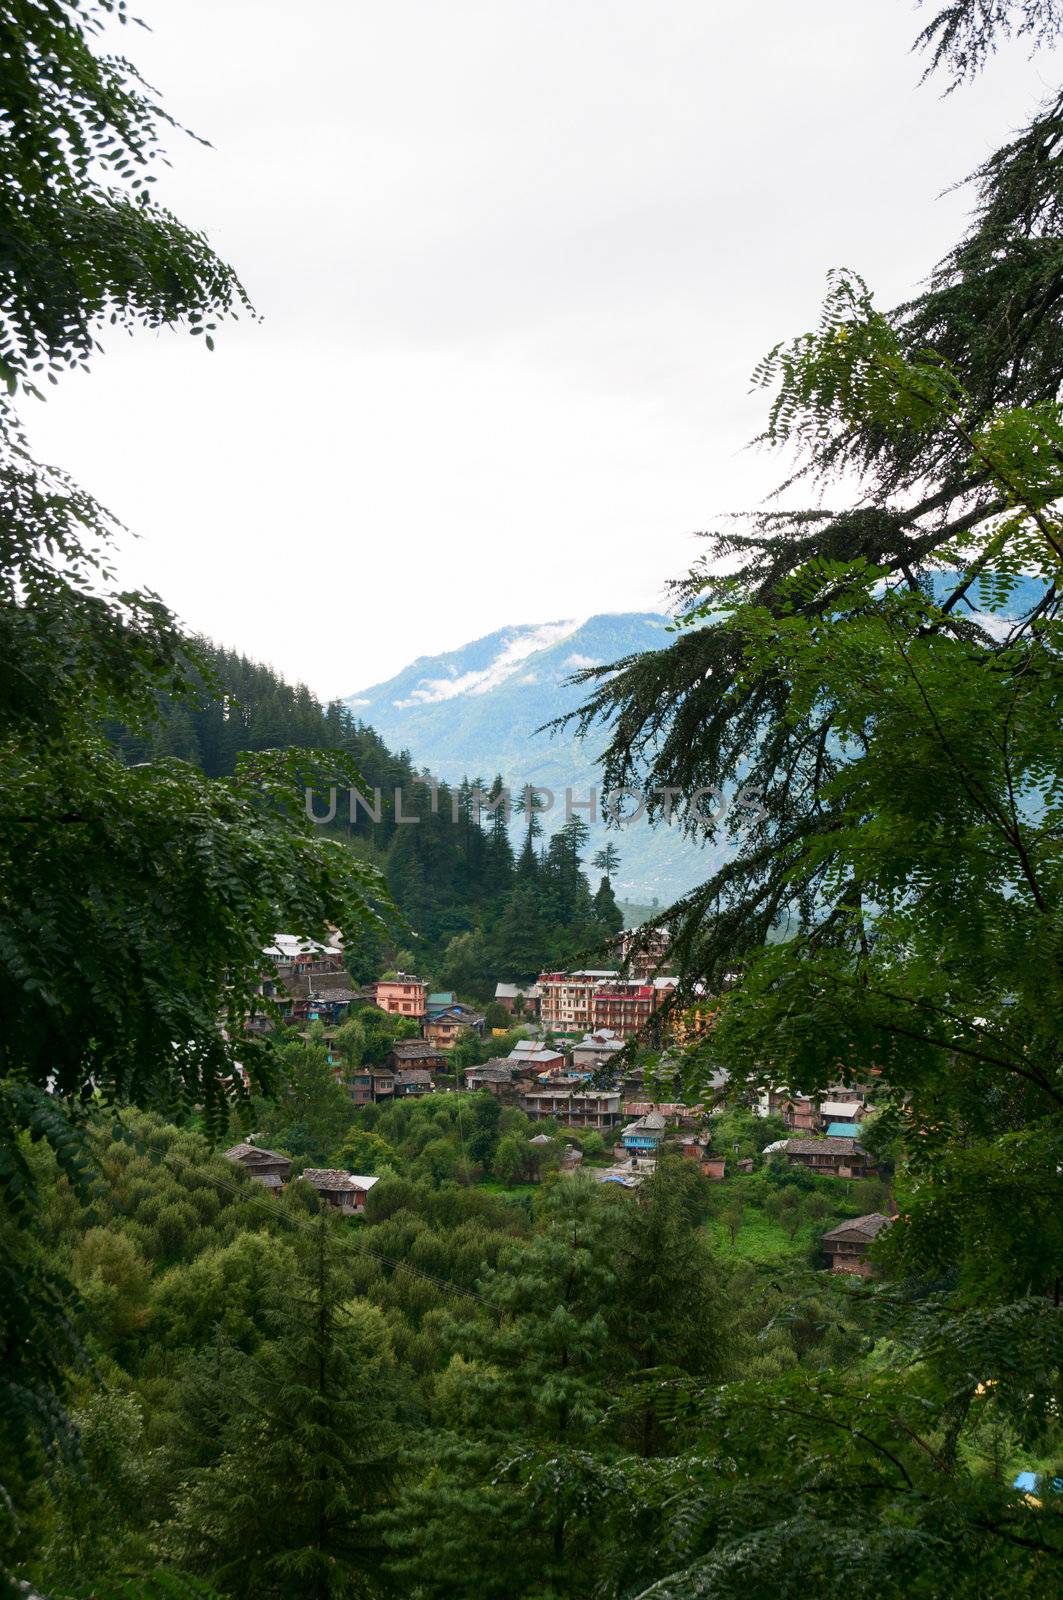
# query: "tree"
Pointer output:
{"type": "Point", "coordinates": [313, 1111]}
{"type": "Point", "coordinates": [307, 1446]}
{"type": "Point", "coordinates": [363, 1151]}
{"type": "Point", "coordinates": [496, 1016]}
{"type": "Point", "coordinates": [877, 687]}
{"type": "Point", "coordinates": [135, 901]}
{"type": "Point", "coordinates": [668, 1314]}
{"type": "Point", "coordinates": [507, 1510]}
{"type": "Point", "coordinates": [607, 860]}
{"type": "Point", "coordinates": [486, 1115]}
{"type": "Point", "coordinates": [606, 911]}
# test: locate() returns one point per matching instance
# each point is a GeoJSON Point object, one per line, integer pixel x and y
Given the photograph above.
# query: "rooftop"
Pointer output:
{"type": "Point", "coordinates": [407, 1075]}
{"type": "Point", "coordinates": [860, 1227]}
{"type": "Point", "coordinates": [335, 1180]}
{"type": "Point", "coordinates": [415, 1050]}
{"type": "Point", "coordinates": [825, 1146]}
{"type": "Point", "coordinates": [245, 1149]}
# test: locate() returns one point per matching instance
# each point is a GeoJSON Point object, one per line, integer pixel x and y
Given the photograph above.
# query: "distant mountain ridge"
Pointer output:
{"type": "Point", "coordinates": [473, 711]}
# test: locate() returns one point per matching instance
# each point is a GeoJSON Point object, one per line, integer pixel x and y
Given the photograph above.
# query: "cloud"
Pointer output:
{"type": "Point", "coordinates": [576, 660]}
{"type": "Point", "coordinates": [514, 652]}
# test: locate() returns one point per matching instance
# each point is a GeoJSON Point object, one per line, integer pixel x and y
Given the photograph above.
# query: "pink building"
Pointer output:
{"type": "Point", "coordinates": [403, 995]}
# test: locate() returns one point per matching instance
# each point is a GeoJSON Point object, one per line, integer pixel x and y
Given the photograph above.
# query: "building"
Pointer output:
{"type": "Point", "coordinates": [435, 1003]}
{"type": "Point", "coordinates": [576, 1107]}
{"type": "Point", "coordinates": [796, 1110]}
{"type": "Point", "coordinates": [370, 1085]}
{"type": "Point", "coordinates": [519, 1001]}
{"type": "Point", "coordinates": [446, 1027]}
{"type": "Point", "coordinates": [268, 1167]}
{"type": "Point", "coordinates": [343, 1191]}
{"type": "Point", "coordinates": [644, 1137]}
{"type": "Point", "coordinates": [535, 1056]}
{"type": "Point", "coordinates": [541, 1100]}
{"type": "Point", "coordinates": [624, 1008]}
{"type": "Point", "coordinates": [596, 1108]}
{"type": "Point", "coordinates": [565, 999]}
{"type": "Point", "coordinates": [841, 1109]}
{"type": "Point", "coordinates": [499, 1078]}
{"type": "Point", "coordinates": [644, 951]}
{"type": "Point", "coordinates": [416, 1053]}
{"type": "Point", "coordinates": [690, 1023]}
{"type": "Point", "coordinates": [412, 1081]}
{"type": "Point", "coordinates": [402, 995]}
{"type": "Point", "coordinates": [295, 957]}
{"type": "Point", "coordinates": [848, 1244]}
{"type": "Point", "coordinates": [838, 1158]}
{"type": "Point", "coordinates": [597, 1050]}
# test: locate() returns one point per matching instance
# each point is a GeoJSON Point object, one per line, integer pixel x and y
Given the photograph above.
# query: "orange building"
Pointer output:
{"type": "Point", "coordinates": [403, 995]}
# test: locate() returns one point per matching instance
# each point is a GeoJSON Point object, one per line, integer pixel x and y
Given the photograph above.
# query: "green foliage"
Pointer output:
{"type": "Point", "coordinates": [303, 1451]}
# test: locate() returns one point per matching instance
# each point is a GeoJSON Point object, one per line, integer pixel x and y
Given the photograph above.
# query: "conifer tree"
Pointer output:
{"type": "Point", "coordinates": [307, 1451]}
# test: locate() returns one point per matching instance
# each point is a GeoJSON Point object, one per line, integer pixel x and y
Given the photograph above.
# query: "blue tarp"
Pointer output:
{"type": "Point", "coordinates": [843, 1130]}
{"type": "Point", "coordinates": [1038, 1483]}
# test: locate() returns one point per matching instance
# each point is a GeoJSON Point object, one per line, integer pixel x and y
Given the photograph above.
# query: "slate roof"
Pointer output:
{"type": "Point", "coordinates": [415, 1050]}
{"type": "Point", "coordinates": [244, 1151]}
{"type": "Point", "coordinates": [334, 1179]}
{"type": "Point", "coordinates": [490, 1072]}
{"type": "Point", "coordinates": [826, 1146]}
{"type": "Point", "coordinates": [652, 1122]}
{"type": "Point", "coordinates": [413, 1075]}
{"type": "Point", "coordinates": [859, 1228]}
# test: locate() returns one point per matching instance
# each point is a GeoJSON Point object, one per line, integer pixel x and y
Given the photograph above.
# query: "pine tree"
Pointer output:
{"type": "Point", "coordinates": [508, 1509]}
{"type": "Point", "coordinates": [308, 1452]}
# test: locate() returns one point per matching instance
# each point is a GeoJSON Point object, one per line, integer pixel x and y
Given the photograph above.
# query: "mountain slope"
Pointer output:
{"type": "Point", "coordinates": [474, 711]}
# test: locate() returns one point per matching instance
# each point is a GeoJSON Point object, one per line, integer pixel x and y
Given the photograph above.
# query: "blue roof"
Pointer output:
{"type": "Point", "coordinates": [1037, 1483]}
{"type": "Point", "coordinates": [843, 1130]}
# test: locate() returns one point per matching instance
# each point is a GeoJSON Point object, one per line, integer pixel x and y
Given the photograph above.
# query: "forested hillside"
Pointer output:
{"type": "Point", "coordinates": [444, 1399]}
{"type": "Point", "coordinates": [476, 913]}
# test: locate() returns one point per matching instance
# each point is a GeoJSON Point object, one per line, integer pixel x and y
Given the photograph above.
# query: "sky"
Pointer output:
{"type": "Point", "coordinates": [514, 263]}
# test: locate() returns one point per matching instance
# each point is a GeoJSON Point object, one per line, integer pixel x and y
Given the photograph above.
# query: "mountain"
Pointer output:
{"type": "Point", "coordinates": [474, 711]}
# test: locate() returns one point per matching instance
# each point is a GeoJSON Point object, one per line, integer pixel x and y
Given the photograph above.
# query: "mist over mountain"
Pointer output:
{"type": "Point", "coordinates": [474, 712]}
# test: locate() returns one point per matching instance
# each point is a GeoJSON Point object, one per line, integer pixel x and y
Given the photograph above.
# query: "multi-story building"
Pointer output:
{"type": "Point", "coordinates": [446, 1027]}
{"type": "Point", "coordinates": [575, 1107]}
{"type": "Point", "coordinates": [622, 1007]}
{"type": "Point", "coordinates": [846, 1246]}
{"type": "Point", "coordinates": [566, 999]}
{"type": "Point", "coordinates": [644, 951]}
{"type": "Point", "coordinates": [369, 1085]}
{"type": "Point", "coordinates": [403, 995]}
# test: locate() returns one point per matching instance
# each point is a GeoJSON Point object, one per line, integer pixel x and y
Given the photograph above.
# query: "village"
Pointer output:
{"type": "Point", "coordinates": [573, 1063]}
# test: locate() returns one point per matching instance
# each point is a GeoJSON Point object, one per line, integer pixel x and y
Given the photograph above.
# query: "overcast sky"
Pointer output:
{"type": "Point", "coordinates": [515, 260]}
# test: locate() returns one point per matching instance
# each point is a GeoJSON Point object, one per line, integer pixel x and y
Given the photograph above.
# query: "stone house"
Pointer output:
{"type": "Point", "coordinates": [838, 1158]}
{"type": "Point", "coordinates": [268, 1167]}
{"type": "Point", "coordinates": [343, 1191]}
{"type": "Point", "coordinates": [847, 1245]}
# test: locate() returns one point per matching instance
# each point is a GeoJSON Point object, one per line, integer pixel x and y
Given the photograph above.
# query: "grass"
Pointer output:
{"type": "Point", "coordinates": [762, 1240]}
